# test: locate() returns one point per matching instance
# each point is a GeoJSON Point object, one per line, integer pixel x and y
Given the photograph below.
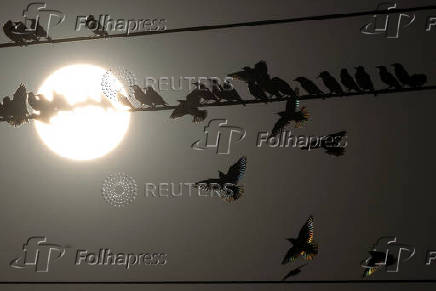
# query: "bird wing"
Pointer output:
{"type": "Point", "coordinates": [179, 111]}
{"type": "Point", "coordinates": [208, 184]}
{"type": "Point", "coordinates": [291, 255]}
{"type": "Point", "coordinates": [369, 271]}
{"type": "Point", "coordinates": [279, 126]}
{"type": "Point", "coordinates": [306, 232]}
{"type": "Point", "coordinates": [237, 170]}
{"type": "Point", "coordinates": [20, 96]}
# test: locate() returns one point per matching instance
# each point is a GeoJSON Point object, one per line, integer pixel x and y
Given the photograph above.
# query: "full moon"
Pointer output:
{"type": "Point", "coordinates": [88, 131]}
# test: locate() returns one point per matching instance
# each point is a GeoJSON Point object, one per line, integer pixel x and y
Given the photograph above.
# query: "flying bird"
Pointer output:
{"type": "Point", "coordinates": [92, 24]}
{"type": "Point", "coordinates": [376, 261]}
{"type": "Point", "coordinates": [228, 183]}
{"type": "Point", "coordinates": [330, 143]}
{"type": "Point", "coordinates": [364, 80]}
{"type": "Point", "coordinates": [309, 86]}
{"type": "Point", "coordinates": [303, 245]}
{"type": "Point", "coordinates": [388, 78]}
{"type": "Point", "coordinates": [190, 107]}
{"type": "Point", "coordinates": [331, 83]}
{"type": "Point", "coordinates": [401, 74]}
{"type": "Point", "coordinates": [348, 81]}
{"type": "Point", "coordinates": [294, 272]}
{"type": "Point", "coordinates": [290, 114]}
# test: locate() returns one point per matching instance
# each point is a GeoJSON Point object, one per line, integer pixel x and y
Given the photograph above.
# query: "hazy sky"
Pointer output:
{"type": "Point", "coordinates": [382, 186]}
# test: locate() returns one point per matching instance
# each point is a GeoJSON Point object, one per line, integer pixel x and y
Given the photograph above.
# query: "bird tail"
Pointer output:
{"type": "Point", "coordinates": [199, 116]}
{"type": "Point", "coordinates": [302, 116]}
{"type": "Point", "coordinates": [311, 251]}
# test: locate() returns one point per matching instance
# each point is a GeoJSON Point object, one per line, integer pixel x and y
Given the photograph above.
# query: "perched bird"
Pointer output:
{"type": "Point", "coordinates": [363, 79]}
{"type": "Point", "coordinates": [5, 108]}
{"type": "Point", "coordinates": [15, 32]}
{"type": "Point", "coordinates": [283, 87]}
{"type": "Point", "coordinates": [261, 70]}
{"type": "Point", "coordinates": [388, 78]}
{"type": "Point", "coordinates": [155, 98]}
{"type": "Point", "coordinates": [330, 143]}
{"type": "Point", "coordinates": [348, 81]}
{"type": "Point", "coordinates": [257, 92]}
{"type": "Point", "coordinates": [247, 75]}
{"type": "Point", "coordinates": [294, 272]}
{"type": "Point", "coordinates": [303, 245]}
{"type": "Point", "coordinates": [228, 183]}
{"type": "Point", "coordinates": [142, 97]}
{"type": "Point", "coordinates": [230, 93]}
{"type": "Point", "coordinates": [418, 80]}
{"type": "Point", "coordinates": [204, 92]}
{"type": "Point", "coordinates": [190, 107]}
{"type": "Point", "coordinates": [376, 260]}
{"type": "Point", "coordinates": [45, 107]}
{"type": "Point", "coordinates": [309, 86]}
{"type": "Point", "coordinates": [94, 25]}
{"type": "Point", "coordinates": [401, 74]}
{"type": "Point", "coordinates": [18, 107]}
{"type": "Point", "coordinates": [290, 114]}
{"type": "Point", "coordinates": [331, 83]}
{"type": "Point", "coordinates": [123, 100]}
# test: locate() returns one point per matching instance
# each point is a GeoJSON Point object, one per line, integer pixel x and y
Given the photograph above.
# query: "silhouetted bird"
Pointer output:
{"type": "Point", "coordinates": [18, 33]}
{"type": "Point", "coordinates": [94, 25]}
{"type": "Point", "coordinates": [204, 92]}
{"type": "Point", "coordinates": [303, 245]}
{"type": "Point", "coordinates": [18, 107]}
{"type": "Point", "coordinates": [230, 93]}
{"type": "Point", "coordinates": [418, 80]}
{"type": "Point", "coordinates": [140, 95]}
{"type": "Point", "coordinates": [190, 107]}
{"type": "Point", "coordinates": [227, 183]}
{"type": "Point", "coordinates": [309, 86]}
{"type": "Point", "coordinates": [246, 75]}
{"type": "Point", "coordinates": [261, 70]}
{"type": "Point", "coordinates": [331, 83]}
{"type": "Point", "coordinates": [294, 272]}
{"type": "Point", "coordinates": [330, 143]}
{"type": "Point", "coordinates": [376, 260]}
{"type": "Point", "coordinates": [363, 79]}
{"type": "Point", "coordinates": [388, 78]}
{"type": "Point", "coordinates": [401, 74]}
{"type": "Point", "coordinates": [123, 100]}
{"type": "Point", "coordinates": [283, 87]}
{"type": "Point", "coordinates": [348, 81]}
{"type": "Point", "coordinates": [5, 108]}
{"type": "Point", "coordinates": [45, 107]}
{"type": "Point", "coordinates": [155, 98]}
{"type": "Point", "coordinates": [290, 114]}
{"type": "Point", "coordinates": [257, 92]}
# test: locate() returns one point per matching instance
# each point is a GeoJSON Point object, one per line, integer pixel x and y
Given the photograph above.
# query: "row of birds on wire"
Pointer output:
{"type": "Point", "coordinates": [22, 34]}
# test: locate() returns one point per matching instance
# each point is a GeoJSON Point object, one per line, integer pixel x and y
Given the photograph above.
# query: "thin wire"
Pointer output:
{"type": "Point", "coordinates": [231, 25]}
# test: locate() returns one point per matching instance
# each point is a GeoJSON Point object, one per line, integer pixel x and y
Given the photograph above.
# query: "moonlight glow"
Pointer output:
{"type": "Point", "coordinates": [87, 132]}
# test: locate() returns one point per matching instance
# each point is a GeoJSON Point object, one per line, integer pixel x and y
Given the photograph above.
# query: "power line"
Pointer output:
{"type": "Point", "coordinates": [231, 25]}
{"type": "Point", "coordinates": [304, 97]}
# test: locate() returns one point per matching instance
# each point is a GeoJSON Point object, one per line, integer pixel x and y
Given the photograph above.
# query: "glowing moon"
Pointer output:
{"type": "Point", "coordinates": [87, 132]}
